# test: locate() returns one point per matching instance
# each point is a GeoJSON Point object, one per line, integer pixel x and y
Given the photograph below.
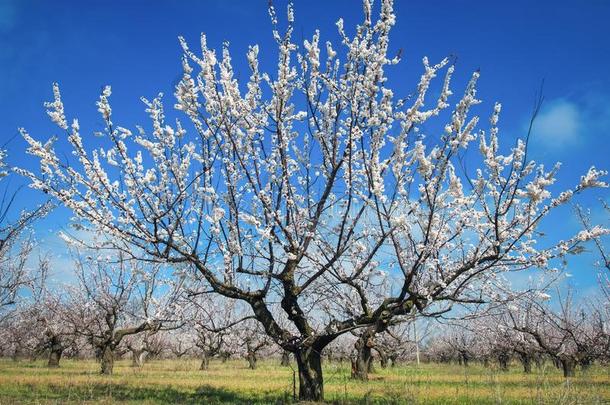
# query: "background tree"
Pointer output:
{"type": "Point", "coordinates": [16, 244]}
{"type": "Point", "coordinates": [54, 335]}
{"type": "Point", "coordinates": [603, 262]}
{"type": "Point", "coordinates": [117, 297]}
{"type": "Point", "coordinates": [254, 340]}
{"type": "Point", "coordinates": [399, 343]}
{"type": "Point", "coordinates": [566, 335]}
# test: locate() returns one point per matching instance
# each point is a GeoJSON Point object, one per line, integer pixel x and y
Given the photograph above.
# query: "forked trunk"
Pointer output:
{"type": "Point", "coordinates": [311, 384]}
{"type": "Point", "coordinates": [107, 360]}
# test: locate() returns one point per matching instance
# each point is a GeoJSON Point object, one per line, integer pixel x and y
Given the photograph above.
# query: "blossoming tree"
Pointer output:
{"type": "Point", "coordinates": [116, 298]}
{"type": "Point", "coordinates": [311, 186]}
{"type": "Point", "coordinates": [570, 335]}
{"type": "Point", "coordinates": [16, 245]}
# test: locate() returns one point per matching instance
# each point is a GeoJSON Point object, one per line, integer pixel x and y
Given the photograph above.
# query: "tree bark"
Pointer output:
{"type": "Point", "coordinates": [383, 358]}
{"type": "Point", "coordinates": [538, 360]}
{"type": "Point", "coordinates": [311, 383]}
{"type": "Point", "coordinates": [585, 363]}
{"type": "Point", "coordinates": [361, 364]}
{"type": "Point", "coordinates": [526, 361]}
{"type": "Point", "coordinates": [503, 360]}
{"type": "Point", "coordinates": [251, 357]}
{"type": "Point", "coordinates": [17, 353]}
{"type": "Point", "coordinates": [568, 366]}
{"type": "Point", "coordinates": [464, 359]}
{"type": "Point", "coordinates": [205, 362]}
{"type": "Point", "coordinates": [137, 357]}
{"type": "Point", "coordinates": [54, 356]}
{"type": "Point", "coordinates": [285, 359]}
{"type": "Point", "coordinates": [107, 360]}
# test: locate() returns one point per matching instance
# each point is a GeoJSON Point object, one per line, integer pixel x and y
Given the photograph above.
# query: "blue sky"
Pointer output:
{"type": "Point", "coordinates": [133, 46]}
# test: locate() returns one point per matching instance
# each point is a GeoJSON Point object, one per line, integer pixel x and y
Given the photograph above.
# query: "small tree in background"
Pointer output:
{"type": "Point", "coordinates": [16, 245]}
{"type": "Point", "coordinates": [117, 297]}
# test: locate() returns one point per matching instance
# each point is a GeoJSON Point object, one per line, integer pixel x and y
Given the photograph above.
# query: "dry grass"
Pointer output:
{"type": "Point", "coordinates": [174, 381]}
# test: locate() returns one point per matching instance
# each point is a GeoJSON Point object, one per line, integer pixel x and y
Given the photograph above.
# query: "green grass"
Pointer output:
{"type": "Point", "coordinates": [180, 381]}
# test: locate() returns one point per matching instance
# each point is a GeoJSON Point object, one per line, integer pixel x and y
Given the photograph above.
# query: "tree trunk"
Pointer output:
{"type": "Point", "coordinates": [107, 360]}
{"type": "Point", "coordinates": [17, 352]}
{"type": "Point", "coordinates": [54, 356]}
{"type": "Point", "coordinates": [503, 359]}
{"type": "Point", "coordinates": [465, 359]}
{"type": "Point", "coordinates": [371, 365]}
{"type": "Point", "coordinates": [285, 359]}
{"type": "Point", "coordinates": [205, 362]}
{"type": "Point", "coordinates": [526, 361]}
{"type": "Point", "coordinates": [251, 357]}
{"type": "Point", "coordinates": [538, 360]}
{"type": "Point", "coordinates": [361, 365]}
{"type": "Point", "coordinates": [383, 358]}
{"type": "Point", "coordinates": [568, 366]}
{"type": "Point", "coordinates": [311, 383]}
{"type": "Point", "coordinates": [137, 357]}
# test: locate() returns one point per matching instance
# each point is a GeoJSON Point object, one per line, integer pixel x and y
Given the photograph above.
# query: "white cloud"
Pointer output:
{"type": "Point", "coordinates": [559, 124]}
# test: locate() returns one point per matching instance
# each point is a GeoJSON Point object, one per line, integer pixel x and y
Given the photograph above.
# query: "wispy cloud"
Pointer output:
{"type": "Point", "coordinates": [573, 121]}
{"type": "Point", "coordinates": [559, 124]}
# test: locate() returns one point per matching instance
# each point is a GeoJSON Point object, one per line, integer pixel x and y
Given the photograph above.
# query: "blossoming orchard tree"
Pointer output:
{"type": "Point", "coordinates": [16, 245]}
{"type": "Point", "coordinates": [116, 298]}
{"type": "Point", "coordinates": [571, 336]}
{"type": "Point", "coordinates": [312, 185]}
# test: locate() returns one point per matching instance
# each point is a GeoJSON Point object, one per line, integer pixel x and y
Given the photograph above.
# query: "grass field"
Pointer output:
{"type": "Point", "coordinates": [175, 381]}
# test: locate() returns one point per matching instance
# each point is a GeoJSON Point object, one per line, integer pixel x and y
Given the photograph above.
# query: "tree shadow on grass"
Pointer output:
{"type": "Point", "coordinates": [162, 395]}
